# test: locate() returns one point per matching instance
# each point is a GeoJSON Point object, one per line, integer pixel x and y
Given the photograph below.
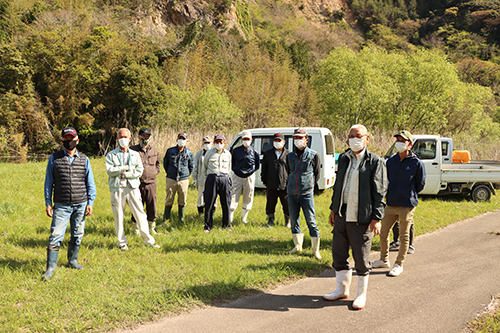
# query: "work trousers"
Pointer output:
{"type": "Point", "coordinates": [217, 184]}
{"type": "Point", "coordinates": [243, 186]}
{"type": "Point", "coordinates": [132, 197]}
{"type": "Point", "coordinates": [272, 199]}
{"type": "Point", "coordinates": [395, 232]}
{"type": "Point", "coordinates": [148, 195]}
{"type": "Point", "coordinates": [358, 237]}
{"type": "Point", "coordinates": [391, 215]}
{"type": "Point", "coordinates": [176, 186]}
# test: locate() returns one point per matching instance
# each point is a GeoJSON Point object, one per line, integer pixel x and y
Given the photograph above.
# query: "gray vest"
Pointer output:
{"type": "Point", "coordinates": [69, 179]}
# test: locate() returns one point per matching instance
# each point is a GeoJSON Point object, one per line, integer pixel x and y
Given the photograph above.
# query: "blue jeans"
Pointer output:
{"type": "Point", "coordinates": [306, 202]}
{"type": "Point", "coordinates": [75, 214]}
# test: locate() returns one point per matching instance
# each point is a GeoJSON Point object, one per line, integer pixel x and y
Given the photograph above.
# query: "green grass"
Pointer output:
{"type": "Point", "coordinates": [192, 269]}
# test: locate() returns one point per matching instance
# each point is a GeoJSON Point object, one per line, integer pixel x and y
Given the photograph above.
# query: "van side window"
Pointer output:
{"type": "Point", "coordinates": [330, 149]}
{"type": "Point", "coordinates": [425, 149]}
{"type": "Point", "coordinates": [267, 143]}
{"type": "Point", "coordinates": [444, 147]}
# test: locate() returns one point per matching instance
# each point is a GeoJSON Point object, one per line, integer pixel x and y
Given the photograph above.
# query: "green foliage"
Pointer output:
{"type": "Point", "coordinates": [419, 91]}
{"type": "Point", "coordinates": [244, 18]}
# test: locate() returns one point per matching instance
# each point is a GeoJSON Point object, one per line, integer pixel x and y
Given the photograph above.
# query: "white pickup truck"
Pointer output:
{"type": "Point", "coordinates": [479, 178]}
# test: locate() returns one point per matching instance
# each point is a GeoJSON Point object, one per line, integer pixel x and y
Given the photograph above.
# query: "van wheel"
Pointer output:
{"type": "Point", "coordinates": [481, 193]}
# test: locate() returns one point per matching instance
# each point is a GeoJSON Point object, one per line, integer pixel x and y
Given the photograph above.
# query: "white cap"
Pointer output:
{"type": "Point", "coordinates": [246, 134]}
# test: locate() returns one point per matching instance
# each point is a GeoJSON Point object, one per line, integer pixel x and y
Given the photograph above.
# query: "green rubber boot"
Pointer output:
{"type": "Point", "coordinates": [73, 256]}
{"type": "Point", "coordinates": [182, 213]}
{"type": "Point", "coordinates": [51, 264]}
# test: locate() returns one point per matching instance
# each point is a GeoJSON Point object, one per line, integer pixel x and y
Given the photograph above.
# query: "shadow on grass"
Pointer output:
{"type": "Point", "coordinates": [447, 198]}
{"type": "Point", "coordinates": [21, 265]}
{"type": "Point", "coordinates": [224, 295]}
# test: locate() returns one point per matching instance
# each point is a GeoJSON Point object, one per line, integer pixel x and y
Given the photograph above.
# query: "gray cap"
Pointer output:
{"type": "Point", "coordinates": [219, 137]}
{"type": "Point", "coordinates": [206, 139]}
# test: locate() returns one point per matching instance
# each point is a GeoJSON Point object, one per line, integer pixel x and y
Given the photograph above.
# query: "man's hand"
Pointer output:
{"type": "Point", "coordinates": [89, 210]}
{"type": "Point", "coordinates": [375, 227]}
{"type": "Point", "coordinates": [49, 210]}
{"type": "Point", "coordinates": [331, 218]}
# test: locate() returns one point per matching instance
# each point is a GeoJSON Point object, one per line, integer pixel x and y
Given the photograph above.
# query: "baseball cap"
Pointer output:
{"type": "Point", "coordinates": [206, 139]}
{"type": "Point", "coordinates": [182, 134]}
{"type": "Point", "coordinates": [69, 131]}
{"type": "Point", "coordinates": [405, 135]}
{"type": "Point", "coordinates": [278, 136]}
{"type": "Point", "coordinates": [246, 134]}
{"type": "Point", "coordinates": [144, 131]}
{"type": "Point", "coordinates": [219, 137]}
{"type": "Point", "coordinates": [300, 132]}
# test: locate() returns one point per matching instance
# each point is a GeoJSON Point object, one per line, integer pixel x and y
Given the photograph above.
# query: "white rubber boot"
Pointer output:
{"type": "Point", "coordinates": [244, 215]}
{"type": "Point", "coordinates": [152, 226]}
{"type": "Point", "coordinates": [298, 239]}
{"type": "Point", "coordinates": [231, 216]}
{"type": "Point", "coordinates": [343, 283]}
{"type": "Point", "coordinates": [360, 300]}
{"type": "Point", "coordinates": [315, 247]}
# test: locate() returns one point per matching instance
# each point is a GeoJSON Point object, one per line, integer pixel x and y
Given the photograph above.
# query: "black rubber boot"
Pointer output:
{"type": "Point", "coordinates": [73, 256]}
{"type": "Point", "coordinates": [270, 221]}
{"type": "Point", "coordinates": [182, 212]}
{"type": "Point", "coordinates": [51, 264]}
{"type": "Point", "coordinates": [200, 210]}
{"type": "Point", "coordinates": [166, 213]}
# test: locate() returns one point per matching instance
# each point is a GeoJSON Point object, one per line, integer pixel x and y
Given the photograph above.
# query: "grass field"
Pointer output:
{"type": "Point", "coordinates": [192, 269]}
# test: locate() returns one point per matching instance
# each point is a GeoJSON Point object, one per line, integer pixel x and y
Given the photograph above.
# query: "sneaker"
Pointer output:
{"type": "Point", "coordinates": [396, 270]}
{"type": "Point", "coordinates": [381, 264]}
{"type": "Point", "coordinates": [394, 245]}
{"type": "Point", "coordinates": [207, 231]}
{"type": "Point", "coordinates": [124, 247]}
{"type": "Point", "coordinates": [411, 249]}
{"type": "Point", "coordinates": [156, 246]}
{"type": "Point", "coordinates": [229, 229]}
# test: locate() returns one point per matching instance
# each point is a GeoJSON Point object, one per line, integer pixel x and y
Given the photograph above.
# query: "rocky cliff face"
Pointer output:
{"type": "Point", "coordinates": [182, 12]}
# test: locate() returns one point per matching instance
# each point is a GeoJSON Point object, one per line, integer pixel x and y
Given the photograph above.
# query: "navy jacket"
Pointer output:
{"type": "Point", "coordinates": [178, 164]}
{"type": "Point", "coordinates": [406, 179]}
{"type": "Point", "coordinates": [245, 163]}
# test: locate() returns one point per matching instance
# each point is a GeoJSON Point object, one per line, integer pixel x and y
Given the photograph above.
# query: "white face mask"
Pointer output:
{"type": "Point", "coordinates": [278, 144]}
{"type": "Point", "coordinates": [356, 144]}
{"type": "Point", "coordinates": [123, 142]}
{"type": "Point", "coordinates": [207, 146]}
{"type": "Point", "coordinates": [219, 146]}
{"type": "Point", "coordinates": [181, 143]}
{"type": "Point", "coordinates": [246, 143]}
{"type": "Point", "coordinates": [299, 143]}
{"type": "Point", "coordinates": [400, 146]}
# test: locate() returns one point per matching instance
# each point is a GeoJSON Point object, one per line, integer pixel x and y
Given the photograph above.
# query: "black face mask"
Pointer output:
{"type": "Point", "coordinates": [70, 145]}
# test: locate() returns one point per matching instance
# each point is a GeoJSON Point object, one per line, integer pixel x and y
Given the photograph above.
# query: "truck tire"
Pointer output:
{"type": "Point", "coordinates": [481, 193]}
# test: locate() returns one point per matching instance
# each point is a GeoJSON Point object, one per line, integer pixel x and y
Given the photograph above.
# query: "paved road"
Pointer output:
{"type": "Point", "coordinates": [450, 278]}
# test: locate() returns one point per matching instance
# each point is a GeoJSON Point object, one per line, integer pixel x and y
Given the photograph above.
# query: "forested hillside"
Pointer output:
{"type": "Point", "coordinates": [224, 65]}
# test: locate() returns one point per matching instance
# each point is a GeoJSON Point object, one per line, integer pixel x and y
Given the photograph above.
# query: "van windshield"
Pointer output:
{"type": "Point", "coordinates": [266, 142]}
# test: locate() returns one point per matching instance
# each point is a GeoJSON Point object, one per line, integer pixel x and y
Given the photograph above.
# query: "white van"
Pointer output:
{"type": "Point", "coordinates": [320, 140]}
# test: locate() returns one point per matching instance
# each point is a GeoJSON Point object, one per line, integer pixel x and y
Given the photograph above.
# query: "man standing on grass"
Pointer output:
{"type": "Point", "coordinates": [178, 163]}
{"type": "Point", "coordinates": [245, 162]}
{"type": "Point", "coordinates": [356, 210]}
{"type": "Point", "coordinates": [151, 164]}
{"type": "Point", "coordinates": [406, 174]}
{"type": "Point", "coordinates": [70, 179]}
{"type": "Point", "coordinates": [275, 176]}
{"type": "Point", "coordinates": [303, 167]}
{"type": "Point", "coordinates": [217, 166]}
{"type": "Point", "coordinates": [124, 168]}
{"type": "Point", "coordinates": [199, 176]}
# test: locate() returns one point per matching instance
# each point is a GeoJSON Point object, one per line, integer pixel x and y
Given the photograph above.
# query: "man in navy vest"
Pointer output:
{"type": "Point", "coordinates": [303, 167]}
{"type": "Point", "coordinates": [69, 179]}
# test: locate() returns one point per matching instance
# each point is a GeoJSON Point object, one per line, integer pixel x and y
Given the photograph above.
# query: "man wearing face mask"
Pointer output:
{"type": "Point", "coordinates": [70, 180]}
{"type": "Point", "coordinates": [356, 210]}
{"type": "Point", "coordinates": [245, 161]}
{"type": "Point", "coordinates": [275, 176]}
{"type": "Point", "coordinates": [124, 168]}
{"type": "Point", "coordinates": [303, 167]}
{"type": "Point", "coordinates": [178, 163]}
{"type": "Point", "coordinates": [151, 164]}
{"type": "Point", "coordinates": [406, 173]}
{"type": "Point", "coordinates": [198, 175]}
{"type": "Point", "coordinates": [217, 166]}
